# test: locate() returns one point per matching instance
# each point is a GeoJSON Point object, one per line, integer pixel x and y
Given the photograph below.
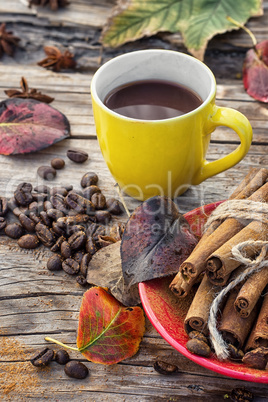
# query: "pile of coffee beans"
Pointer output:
{"type": "Point", "coordinates": [74, 224]}
{"type": "Point", "coordinates": [73, 368]}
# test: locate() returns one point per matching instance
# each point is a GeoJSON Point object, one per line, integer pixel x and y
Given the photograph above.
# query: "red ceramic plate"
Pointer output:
{"type": "Point", "coordinates": [167, 313]}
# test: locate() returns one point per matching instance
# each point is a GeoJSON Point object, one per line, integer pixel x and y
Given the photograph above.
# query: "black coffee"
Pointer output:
{"type": "Point", "coordinates": [152, 100]}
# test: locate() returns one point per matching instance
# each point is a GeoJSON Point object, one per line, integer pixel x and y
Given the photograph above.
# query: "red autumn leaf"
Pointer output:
{"type": "Point", "coordinates": [27, 125]}
{"type": "Point", "coordinates": [255, 72]}
{"type": "Point", "coordinates": [108, 332]}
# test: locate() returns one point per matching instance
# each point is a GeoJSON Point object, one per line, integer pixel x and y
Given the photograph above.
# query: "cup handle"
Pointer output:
{"type": "Point", "coordinates": [223, 116]}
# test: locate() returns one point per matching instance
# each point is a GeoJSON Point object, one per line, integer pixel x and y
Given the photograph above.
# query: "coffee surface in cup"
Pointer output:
{"type": "Point", "coordinates": [152, 100]}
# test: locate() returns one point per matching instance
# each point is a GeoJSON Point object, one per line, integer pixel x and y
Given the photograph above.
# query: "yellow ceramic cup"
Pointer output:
{"type": "Point", "coordinates": [163, 157]}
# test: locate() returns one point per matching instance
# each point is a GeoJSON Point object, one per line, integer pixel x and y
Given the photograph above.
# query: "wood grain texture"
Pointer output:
{"type": "Point", "coordinates": [35, 302]}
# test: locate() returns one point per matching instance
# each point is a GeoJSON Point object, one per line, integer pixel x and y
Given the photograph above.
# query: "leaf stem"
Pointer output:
{"type": "Point", "coordinates": [47, 338]}
{"type": "Point", "coordinates": [254, 40]}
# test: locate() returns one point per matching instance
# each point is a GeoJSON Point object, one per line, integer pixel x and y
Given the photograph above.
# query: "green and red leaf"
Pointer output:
{"type": "Point", "coordinates": [27, 125]}
{"type": "Point", "coordinates": [108, 332]}
{"type": "Point", "coordinates": [255, 72]}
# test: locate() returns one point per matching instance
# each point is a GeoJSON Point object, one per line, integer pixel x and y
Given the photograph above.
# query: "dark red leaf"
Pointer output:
{"type": "Point", "coordinates": [27, 125]}
{"type": "Point", "coordinates": [255, 72]}
{"type": "Point", "coordinates": [156, 240]}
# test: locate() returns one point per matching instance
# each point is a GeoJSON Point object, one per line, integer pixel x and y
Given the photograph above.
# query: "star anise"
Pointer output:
{"type": "Point", "coordinates": [7, 41]}
{"type": "Point", "coordinates": [54, 4]}
{"type": "Point", "coordinates": [57, 60]}
{"type": "Point", "coordinates": [28, 93]}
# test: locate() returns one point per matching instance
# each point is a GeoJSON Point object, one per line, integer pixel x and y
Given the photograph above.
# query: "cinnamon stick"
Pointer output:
{"type": "Point", "coordinates": [197, 316]}
{"type": "Point", "coordinates": [259, 334]}
{"type": "Point", "coordinates": [254, 180]}
{"type": "Point", "coordinates": [251, 291]}
{"type": "Point", "coordinates": [233, 327]}
{"type": "Point", "coordinates": [251, 174]}
{"type": "Point", "coordinates": [221, 263]}
{"type": "Point", "coordinates": [183, 288]}
{"type": "Point", "coordinates": [196, 262]}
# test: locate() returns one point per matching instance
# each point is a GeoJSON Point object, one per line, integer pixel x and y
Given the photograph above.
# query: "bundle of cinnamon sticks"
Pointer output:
{"type": "Point", "coordinates": [244, 320]}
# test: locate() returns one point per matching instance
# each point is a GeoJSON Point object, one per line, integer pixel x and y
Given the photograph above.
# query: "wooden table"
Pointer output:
{"type": "Point", "coordinates": [35, 302]}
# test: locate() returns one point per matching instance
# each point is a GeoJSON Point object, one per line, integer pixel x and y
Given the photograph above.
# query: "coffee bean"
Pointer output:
{"type": "Point", "coordinates": [91, 229]}
{"type": "Point", "coordinates": [198, 347]}
{"type": "Point", "coordinates": [89, 191]}
{"type": "Point", "coordinates": [42, 358]}
{"type": "Point", "coordinates": [77, 240]}
{"type": "Point", "coordinates": [98, 200]}
{"type": "Point", "coordinates": [198, 335]}
{"type": "Point", "coordinates": [75, 369]}
{"type": "Point", "coordinates": [12, 204]}
{"type": "Point", "coordinates": [103, 217]}
{"type": "Point", "coordinates": [165, 368]}
{"type": "Point", "coordinates": [77, 155]}
{"type": "Point", "coordinates": [56, 247]}
{"type": "Point", "coordinates": [234, 353]}
{"type": "Point", "coordinates": [84, 264]}
{"type": "Point", "coordinates": [65, 250]}
{"type": "Point", "coordinates": [256, 358]}
{"type": "Point", "coordinates": [3, 206]}
{"type": "Point", "coordinates": [70, 266]}
{"type": "Point", "coordinates": [33, 207]}
{"type": "Point", "coordinates": [78, 255]}
{"type": "Point", "coordinates": [3, 222]}
{"type": "Point", "coordinates": [20, 210]}
{"type": "Point", "coordinates": [46, 172]}
{"type": "Point", "coordinates": [91, 246]}
{"type": "Point", "coordinates": [81, 280]}
{"type": "Point", "coordinates": [241, 395]}
{"type": "Point", "coordinates": [59, 190]}
{"type": "Point", "coordinates": [27, 223]}
{"type": "Point", "coordinates": [34, 217]}
{"type": "Point", "coordinates": [25, 187]}
{"type": "Point", "coordinates": [71, 229]}
{"type": "Point", "coordinates": [28, 241]}
{"type": "Point", "coordinates": [54, 214]}
{"type": "Point", "coordinates": [62, 222]}
{"type": "Point", "coordinates": [58, 202]}
{"type": "Point", "coordinates": [47, 205]}
{"type": "Point", "coordinates": [62, 357]}
{"type": "Point", "coordinates": [54, 263]}
{"type": "Point", "coordinates": [78, 203]}
{"type": "Point", "coordinates": [42, 188]}
{"type": "Point", "coordinates": [68, 187]}
{"type": "Point", "coordinates": [57, 163]}
{"type": "Point", "coordinates": [23, 194]}
{"type": "Point", "coordinates": [58, 229]}
{"type": "Point", "coordinates": [114, 206]}
{"type": "Point", "coordinates": [14, 230]}
{"type": "Point", "coordinates": [79, 218]}
{"type": "Point", "coordinates": [39, 196]}
{"type": "Point", "coordinates": [89, 179]}
{"type": "Point", "coordinates": [45, 218]}
{"type": "Point", "coordinates": [45, 235]}
{"type": "Point", "coordinates": [100, 231]}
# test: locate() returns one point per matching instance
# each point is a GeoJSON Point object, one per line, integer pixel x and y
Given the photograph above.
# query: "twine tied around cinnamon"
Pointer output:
{"type": "Point", "coordinates": [220, 346]}
{"type": "Point", "coordinates": [239, 209]}
{"type": "Point", "coordinates": [243, 209]}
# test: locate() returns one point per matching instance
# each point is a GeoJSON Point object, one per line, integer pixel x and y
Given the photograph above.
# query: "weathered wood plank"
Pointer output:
{"type": "Point", "coordinates": [33, 301]}
{"type": "Point", "coordinates": [49, 305]}
{"type": "Point", "coordinates": [24, 168]}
